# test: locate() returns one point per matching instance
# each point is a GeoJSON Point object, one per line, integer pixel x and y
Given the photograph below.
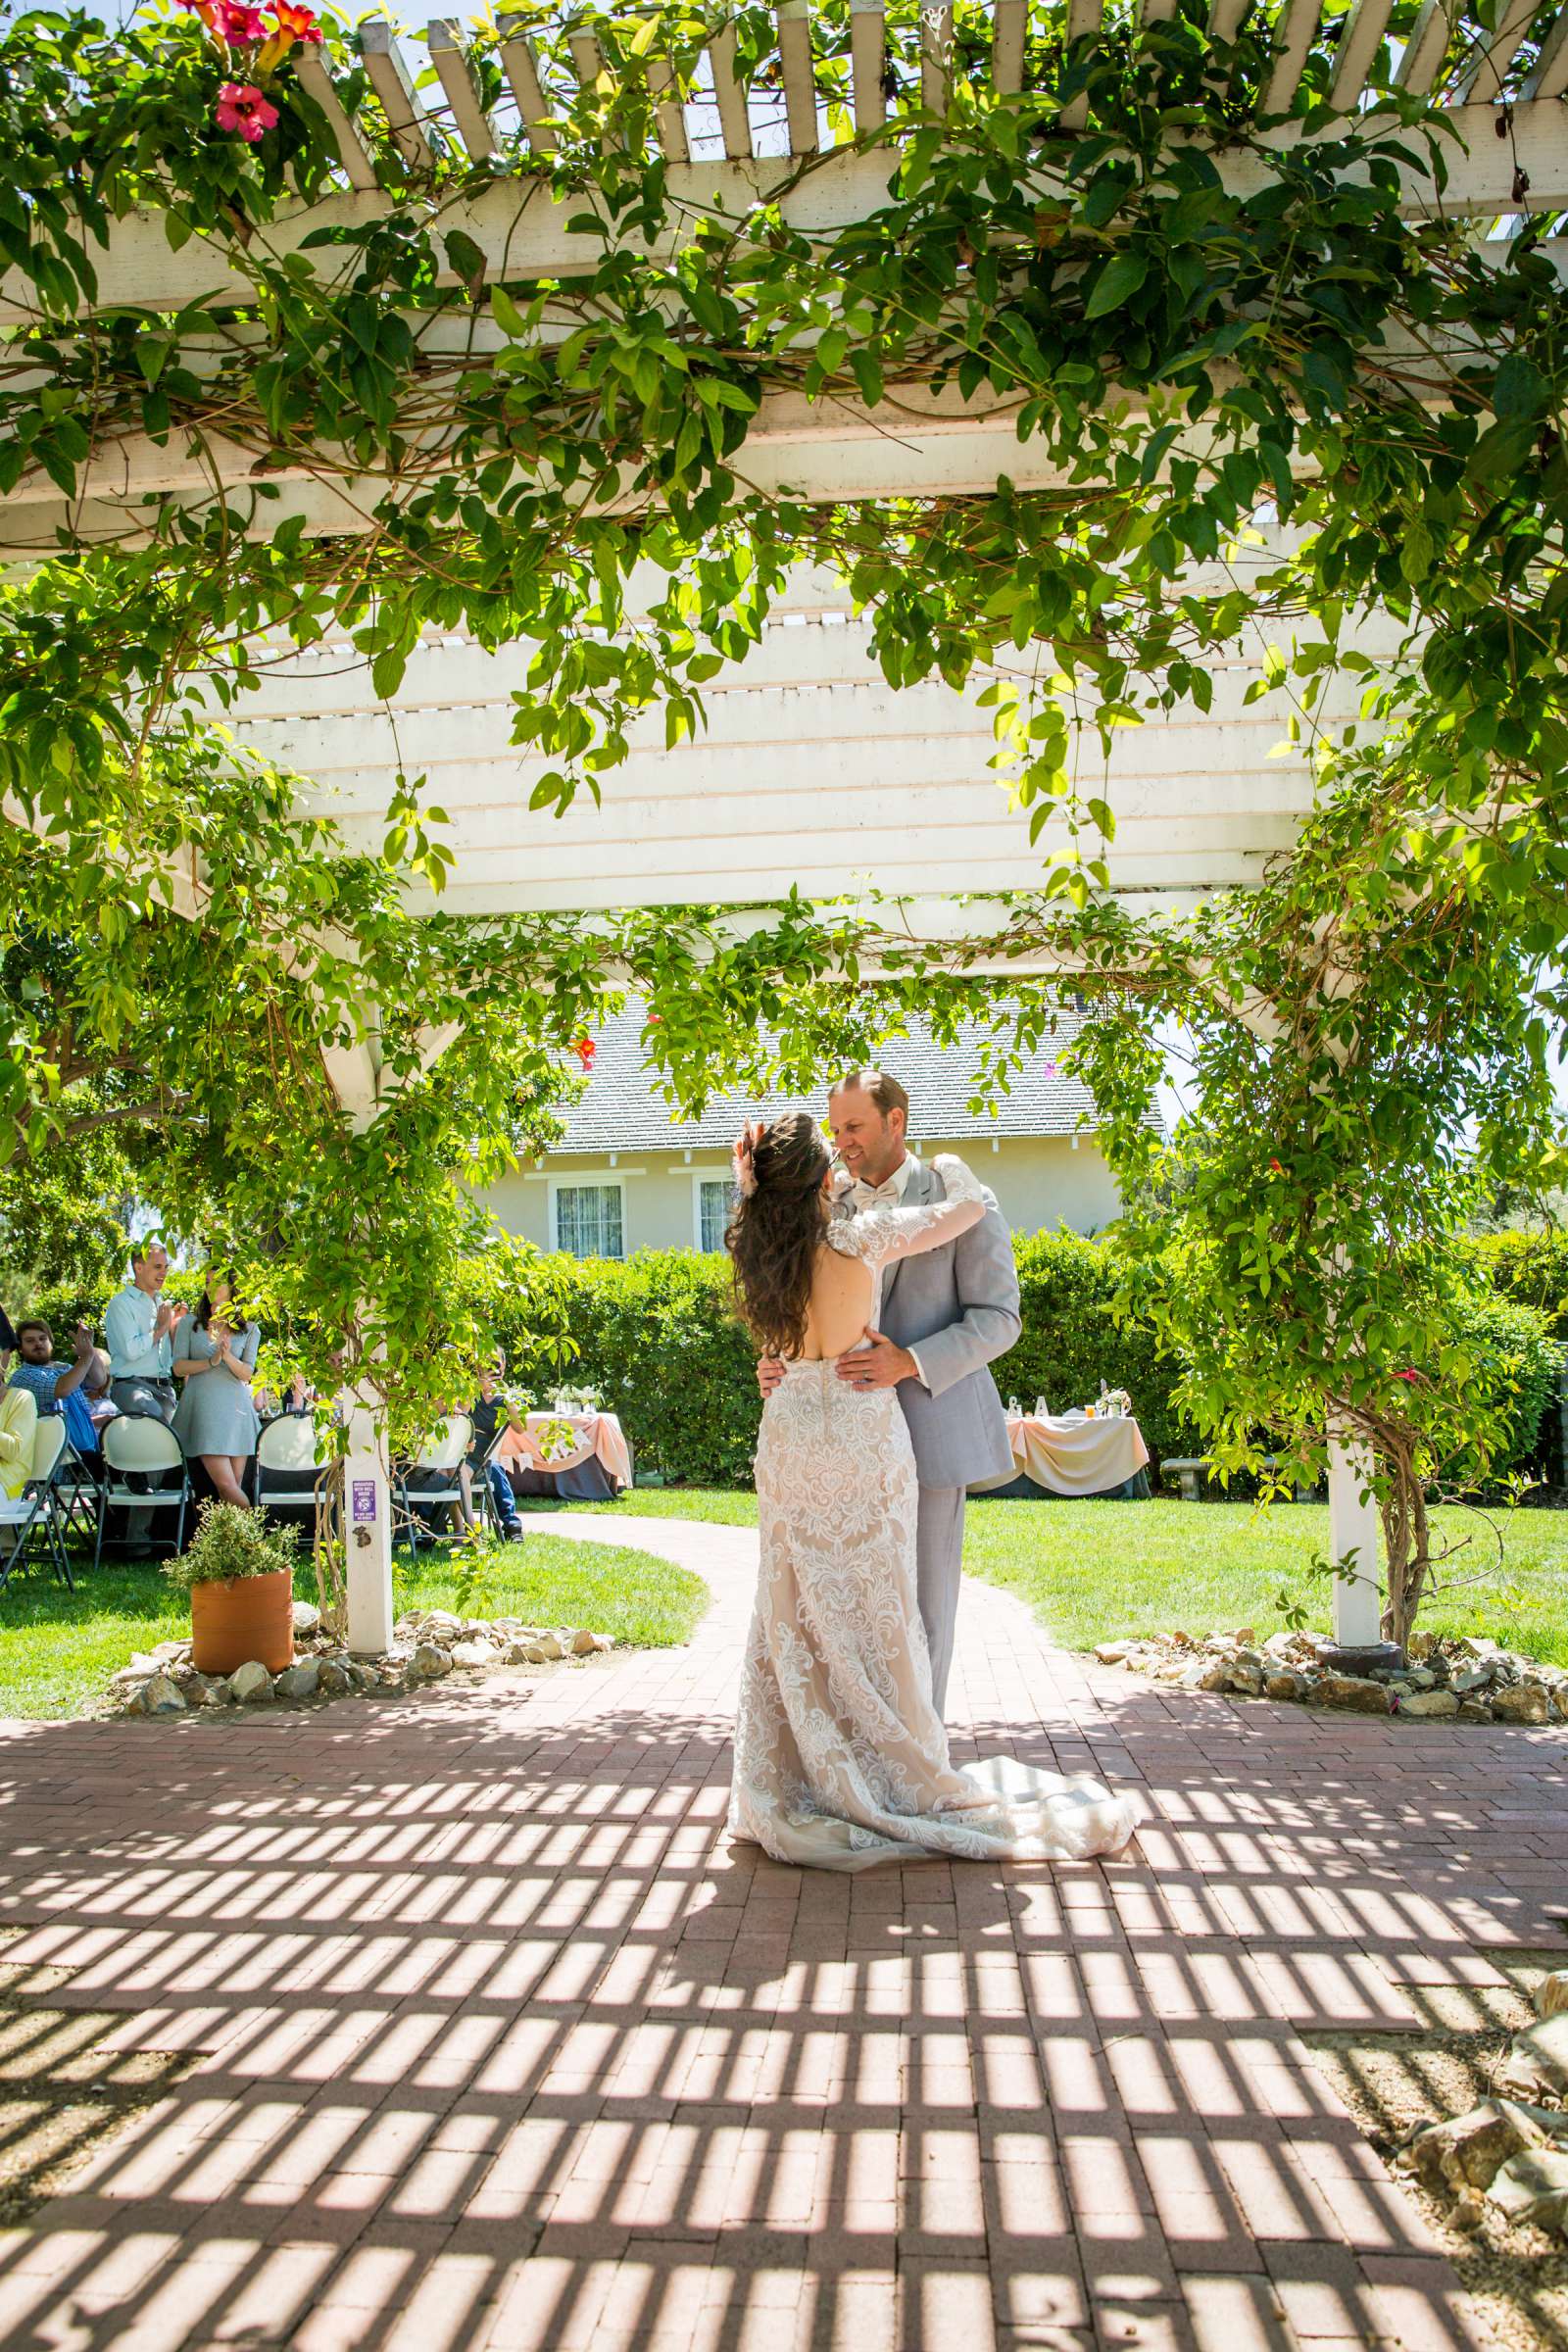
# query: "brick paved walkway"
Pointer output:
{"type": "Point", "coordinates": [501, 2045]}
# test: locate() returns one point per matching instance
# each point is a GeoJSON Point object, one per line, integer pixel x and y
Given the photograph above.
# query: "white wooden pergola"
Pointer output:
{"type": "Point", "coordinates": [812, 774]}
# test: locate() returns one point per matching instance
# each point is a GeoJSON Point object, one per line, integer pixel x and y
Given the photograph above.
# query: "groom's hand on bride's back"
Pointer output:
{"type": "Point", "coordinates": [880, 1365]}
{"type": "Point", "coordinates": [769, 1372]}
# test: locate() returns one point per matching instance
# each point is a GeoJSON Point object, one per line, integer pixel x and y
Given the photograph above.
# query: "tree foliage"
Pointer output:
{"type": "Point", "coordinates": [1265, 401]}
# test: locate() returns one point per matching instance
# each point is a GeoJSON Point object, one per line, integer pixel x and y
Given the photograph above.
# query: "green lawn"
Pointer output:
{"type": "Point", "coordinates": [1095, 1570]}
{"type": "Point", "coordinates": [58, 1648]}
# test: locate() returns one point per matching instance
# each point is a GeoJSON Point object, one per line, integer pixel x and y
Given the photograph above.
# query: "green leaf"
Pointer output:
{"type": "Point", "coordinates": [1121, 278]}
{"type": "Point", "coordinates": [507, 315]}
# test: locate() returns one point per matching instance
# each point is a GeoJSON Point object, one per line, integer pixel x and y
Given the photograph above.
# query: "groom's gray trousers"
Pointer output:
{"type": "Point", "coordinates": [957, 1308]}
{"type": "Point", "coordinates": [939, 1566]}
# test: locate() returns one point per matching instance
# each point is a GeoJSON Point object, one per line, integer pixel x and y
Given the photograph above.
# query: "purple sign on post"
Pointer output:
{"type": "Point", "coordinates": [363, 1508]}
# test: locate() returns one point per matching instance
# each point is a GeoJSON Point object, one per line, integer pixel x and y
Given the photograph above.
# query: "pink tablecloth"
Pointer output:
{"type": "Point", "coordinates": [597, 1434]}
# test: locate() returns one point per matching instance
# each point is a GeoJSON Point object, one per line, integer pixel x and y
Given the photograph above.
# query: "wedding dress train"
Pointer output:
{"type": "Point", "coordinates": [841, 1759]}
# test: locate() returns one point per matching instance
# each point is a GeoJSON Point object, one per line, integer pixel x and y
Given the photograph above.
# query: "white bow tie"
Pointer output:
{"type": "Point", "coordinates": [866, 1196]}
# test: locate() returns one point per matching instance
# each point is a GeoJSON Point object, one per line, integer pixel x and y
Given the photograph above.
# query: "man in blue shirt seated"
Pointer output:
{"type": "Point", "coordinates": [56, 1388]}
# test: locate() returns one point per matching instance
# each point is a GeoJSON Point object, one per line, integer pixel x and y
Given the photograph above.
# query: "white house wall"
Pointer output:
{"type": "Point", "coordinates": [1040, 1182]}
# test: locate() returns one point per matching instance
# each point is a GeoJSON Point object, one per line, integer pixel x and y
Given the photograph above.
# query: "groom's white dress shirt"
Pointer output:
{"type": "Point", "coordinates": [888, 1196]}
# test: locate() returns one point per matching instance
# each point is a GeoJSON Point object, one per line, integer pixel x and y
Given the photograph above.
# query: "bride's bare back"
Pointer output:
{"type": "Point", "coordinates": [840, 1309]}
{"type": "Point", "coordinates": [843, 1279]}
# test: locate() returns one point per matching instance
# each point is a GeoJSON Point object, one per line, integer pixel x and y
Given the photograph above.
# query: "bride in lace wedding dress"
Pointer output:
{"type": "Point", "coordinates": [841, 1759]}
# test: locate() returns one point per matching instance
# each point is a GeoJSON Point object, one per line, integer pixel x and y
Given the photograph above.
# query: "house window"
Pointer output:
{"type": "Point", "coordinates": [715, 1198]}
{"type": "Point", "coordinates": [589, 1222]}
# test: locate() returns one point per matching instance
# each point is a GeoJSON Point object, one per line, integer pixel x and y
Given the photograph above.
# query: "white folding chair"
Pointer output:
{"type": "Point", "coordinates": [432, 1478]}
{"type": "Point", "coordinates": [30, 1515]}
{"type": "Point", "coordinates": [291, 1450]}
{"type": "Point", "coordinates": [136, 1445]}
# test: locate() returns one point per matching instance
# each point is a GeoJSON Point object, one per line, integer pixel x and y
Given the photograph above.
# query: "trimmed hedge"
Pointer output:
{"type": "Point", "coordinates": [1529, 1267]}
{"type": "Point", "coordinates": [657, 1335]}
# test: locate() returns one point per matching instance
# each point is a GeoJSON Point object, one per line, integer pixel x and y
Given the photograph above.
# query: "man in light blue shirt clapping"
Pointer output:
{"type": "Point", "coordinates": [139, 1327]}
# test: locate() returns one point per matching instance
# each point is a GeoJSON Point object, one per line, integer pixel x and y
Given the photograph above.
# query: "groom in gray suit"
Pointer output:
{"type": "Point", "coordinates": [946, 1316]}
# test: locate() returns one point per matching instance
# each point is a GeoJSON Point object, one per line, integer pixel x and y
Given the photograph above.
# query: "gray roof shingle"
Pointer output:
{"type": "Point", "coordinates": [619, 1112]}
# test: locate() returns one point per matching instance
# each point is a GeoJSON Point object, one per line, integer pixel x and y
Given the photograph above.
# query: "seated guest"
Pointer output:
{"type": "Point", "coordinates": [139, 1328]}
{"type": "Point", "coordinates": [101, 1406]}
{"type": "Point", "coordinates": [487, 1412]}
{"type": "Point", "coordinates": [18, 1424]}
{"type": "Point", "coordinates": [216, 1417]}
{"type": "Point", "coordinates": [57, 1388]}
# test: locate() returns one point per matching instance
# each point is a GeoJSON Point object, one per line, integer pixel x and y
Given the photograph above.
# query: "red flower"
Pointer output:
{"type": "Point", "coordinates": [291, 18]}
{"type": "Point", "coordinates": [1275, 1165]}
{"type": "Point", "coordinates": [1408, 1376]}
{"type": "Point", "coordinates": [236, 24]}
{"type": "Point", "coordinates": [241, 106]}
{"type": "Point", "coordinates": [585, 1050]}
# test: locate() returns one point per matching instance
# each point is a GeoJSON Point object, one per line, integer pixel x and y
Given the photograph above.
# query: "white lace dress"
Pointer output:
{"type": "Point", "coordinates": [841, 1759]}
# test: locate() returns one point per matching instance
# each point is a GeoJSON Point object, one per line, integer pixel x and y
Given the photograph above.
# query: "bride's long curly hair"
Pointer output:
{"type": "Point", "coordinates": [775, 1231]}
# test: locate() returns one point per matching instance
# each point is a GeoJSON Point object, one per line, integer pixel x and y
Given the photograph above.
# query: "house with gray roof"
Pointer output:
{"type": "Point", "coordinates": [626, 1176]}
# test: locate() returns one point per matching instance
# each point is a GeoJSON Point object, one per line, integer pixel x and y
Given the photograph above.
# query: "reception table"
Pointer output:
{"type": "Point", "coordinates": [595, 1466]}
{"type": "Point", "coordinates": [1069, 1453]}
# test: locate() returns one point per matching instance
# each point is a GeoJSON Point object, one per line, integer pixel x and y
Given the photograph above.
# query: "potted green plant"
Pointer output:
{"type": "Point", "coordinates": [239, 1573]}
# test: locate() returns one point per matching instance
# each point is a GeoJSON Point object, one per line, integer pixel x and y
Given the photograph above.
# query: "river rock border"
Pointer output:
{"type": "Point", "coordinates": [1510, 2152]}
{"type": "Point", "coordinates": [428, 1645]}
{"type": "Point", "coordinates": [1468, 1679]}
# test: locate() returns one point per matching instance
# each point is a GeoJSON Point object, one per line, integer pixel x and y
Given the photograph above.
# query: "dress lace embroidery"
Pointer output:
{"type": "Point", "coordinates": [841, 1759]}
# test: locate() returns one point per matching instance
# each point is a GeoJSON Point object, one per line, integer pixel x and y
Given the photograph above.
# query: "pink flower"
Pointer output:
{"type": "Point", "coordinates": [236, 24]}
{"type": "Point", "coordinates": [241, 106]}
{"type": "Point", "coordinates": [585, 1050]}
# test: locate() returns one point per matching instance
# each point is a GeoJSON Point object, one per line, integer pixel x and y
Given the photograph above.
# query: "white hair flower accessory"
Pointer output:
{"type": "Point", "coordinates": [743, 1157]}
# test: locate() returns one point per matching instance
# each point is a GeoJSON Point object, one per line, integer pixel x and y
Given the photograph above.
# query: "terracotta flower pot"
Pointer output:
{"type": "Point", "coordinates": [251, 1618]}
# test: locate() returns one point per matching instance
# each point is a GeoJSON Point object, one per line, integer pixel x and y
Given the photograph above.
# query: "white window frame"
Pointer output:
{"type": "Point", "coordinates": [700, 1177]}
{"type": "Point", "coordinates": [606, 1181]}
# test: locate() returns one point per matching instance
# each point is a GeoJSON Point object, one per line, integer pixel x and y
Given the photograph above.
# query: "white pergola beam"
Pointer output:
{"type": "Point", "coordinates": [522, 68]}
{"type": "Point", "coordinates": [936, 56]}
{"type": "Point", "coordinates": [1494, 53]}
{"type": "Point", "coordinates": [1084, 19]}
{"type": "Point", "coordinates": [668, 112]}
{"type": "Point", "coordinates": [1359, 41]}
{"type": "Point", "coordinates": [1549, 78]}
{"type": "Point", "coordinates": [923, 442]}
{"type": "Point", "coordinates": [393, 84]}
{"type": "Point", "coordinates": [520, 225]}
{"type": "Point", "coordinates": [1427, 46]}
{"type": "Point", "coordinates": [1294, 30]}
{"type": "Point", "coordinates": [800, 75]}
{"type": "Point", "coordinates": [474, 124]}
{"type": "Point", "coordinates": [1010, 19]}
{"type": "Point", "coordinates": [868, 33]}
{"type": "Point", "coordinates": [316, 83]}
{"type": "Point", "coordinates": [729, 95]}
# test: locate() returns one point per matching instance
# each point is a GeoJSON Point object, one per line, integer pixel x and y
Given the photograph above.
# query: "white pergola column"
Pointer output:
{"type": "Point", "coordinates": [368, 1525]}
{"type": "Point", "coordinates": [355, 1073]}
{"type": "Point", "coordinates": [1355, 1533]}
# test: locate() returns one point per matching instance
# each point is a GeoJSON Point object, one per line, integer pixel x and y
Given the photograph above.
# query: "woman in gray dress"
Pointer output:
{"type": "Point", "coordinates": [216, 1417]}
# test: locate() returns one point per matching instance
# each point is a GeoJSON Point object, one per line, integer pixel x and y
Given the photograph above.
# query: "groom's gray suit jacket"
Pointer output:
{"type": "Point", "coordinates": [958, 1307]}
